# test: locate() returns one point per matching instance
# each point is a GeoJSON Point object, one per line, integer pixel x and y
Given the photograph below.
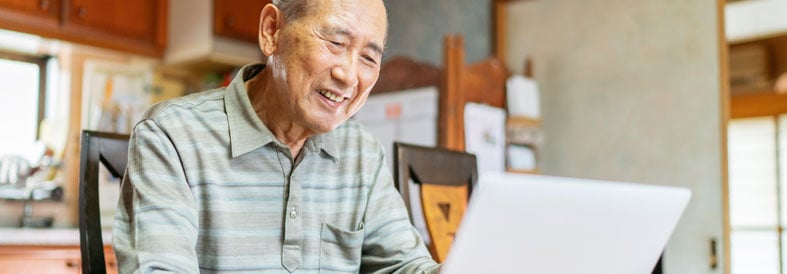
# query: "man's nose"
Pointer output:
{"type": "Point", "coordinates": [346, 72]}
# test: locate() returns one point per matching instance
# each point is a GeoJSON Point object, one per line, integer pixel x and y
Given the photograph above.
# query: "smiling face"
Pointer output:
{"type": "Point", "coordinates": [324, 63]}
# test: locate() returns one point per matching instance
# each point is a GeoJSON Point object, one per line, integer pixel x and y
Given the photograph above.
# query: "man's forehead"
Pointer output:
{"type": "Point", "coordinates": [373, 44]}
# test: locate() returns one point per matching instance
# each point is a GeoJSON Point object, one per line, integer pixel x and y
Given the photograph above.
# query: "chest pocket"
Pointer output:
{"type": "Point", "coordinates": [340, 250]}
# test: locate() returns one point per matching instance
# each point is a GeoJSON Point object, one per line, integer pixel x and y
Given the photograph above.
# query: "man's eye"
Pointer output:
{"type": "Point", "coordinates": [369, 59]}
{"type": "Point", "coordinates": [336, 43]}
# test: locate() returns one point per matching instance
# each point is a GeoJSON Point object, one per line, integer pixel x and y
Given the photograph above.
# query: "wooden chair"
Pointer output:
{"type": "Point", "coordinates": [444, 180]}
{"type": "Point", "coordinates": [480, 82]}
{"type": "Point", "coordinates": [112, 151]}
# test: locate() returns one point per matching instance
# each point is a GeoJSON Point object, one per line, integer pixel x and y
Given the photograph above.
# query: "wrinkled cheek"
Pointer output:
{"type": "Point", "coordinates": [357, 104]}
{"type": "Point", "coordinates": [367, 80]}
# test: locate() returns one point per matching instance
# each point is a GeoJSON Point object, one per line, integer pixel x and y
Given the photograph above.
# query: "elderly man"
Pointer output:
{"type": "Point", "coordinates": [266, 175]}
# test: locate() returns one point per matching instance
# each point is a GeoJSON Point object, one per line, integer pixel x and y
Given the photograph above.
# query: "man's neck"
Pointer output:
{"type": "Point", "coordinates": [281, 126]}
{"type": "Point", "coordinates": [289, 134]}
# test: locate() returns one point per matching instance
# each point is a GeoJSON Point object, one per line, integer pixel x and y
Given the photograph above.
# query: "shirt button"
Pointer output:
{"type": "Point", "coordinates": [293, 214]}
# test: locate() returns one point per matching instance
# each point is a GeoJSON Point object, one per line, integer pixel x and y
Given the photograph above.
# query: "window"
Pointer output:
{"type": "Point", "coordinates": [22, 101]}
{"type": "Point", "coordinates": [757, 174]}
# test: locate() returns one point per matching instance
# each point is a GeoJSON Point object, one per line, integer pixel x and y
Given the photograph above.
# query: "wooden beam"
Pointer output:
{"type": "Point", "coordinates": [452, 97]}
{"type": "Point", "coordinates": [499, 32]}
{"type": "Point", "coordinates": [724, 90]}
{"type": "Point", "coordinates": [753, 105]}
{"type": "Point", "coordinates": [500, 29]}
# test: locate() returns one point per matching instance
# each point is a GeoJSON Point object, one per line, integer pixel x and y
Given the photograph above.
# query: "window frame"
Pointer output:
{"type": "Point", "coordinates": [772, 105]}
{"type": "Point", "coordinates": [41, 62]}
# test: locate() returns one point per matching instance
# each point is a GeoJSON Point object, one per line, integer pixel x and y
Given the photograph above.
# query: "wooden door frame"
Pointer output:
{"type": "Point", "coordinates": [724, 89]}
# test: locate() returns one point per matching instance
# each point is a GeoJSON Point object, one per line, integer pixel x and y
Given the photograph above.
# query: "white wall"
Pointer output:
{"type": "Point", "coordinates": [631, 91]}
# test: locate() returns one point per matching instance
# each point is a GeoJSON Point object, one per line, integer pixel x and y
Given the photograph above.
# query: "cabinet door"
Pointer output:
{"type": "Point", "coordinates": [47, 259]}
{"type": "Point", "coordinates": [30, 15]}
{"type": "Point", "coordinates": [39, 259]}
{"type": "Point", "coordinates": [237, 19]}
{"type": "Point", "coordinates": [139, 25]}
{"type": "Point", "coordinates": [109, 258]}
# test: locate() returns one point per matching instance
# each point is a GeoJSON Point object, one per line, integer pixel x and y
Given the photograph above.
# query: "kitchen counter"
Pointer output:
{"type": "Point", "coordinates": [47, 250]}
{"type": "Point", "coordinates": [45, 236]}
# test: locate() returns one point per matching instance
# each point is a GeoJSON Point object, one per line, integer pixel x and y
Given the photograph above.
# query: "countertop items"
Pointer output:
{"type": "Point", "coordinates": [49, 236]}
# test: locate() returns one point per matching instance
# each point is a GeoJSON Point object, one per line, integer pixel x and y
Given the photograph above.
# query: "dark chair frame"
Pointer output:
{"type": "Point", "coordinates": [430, 165]}
{"type": "Point", "coordinates": [111, 150]}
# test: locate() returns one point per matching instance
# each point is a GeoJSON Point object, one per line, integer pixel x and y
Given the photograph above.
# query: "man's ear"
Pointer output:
{"type": "Point", "coordinates": [271, 21]}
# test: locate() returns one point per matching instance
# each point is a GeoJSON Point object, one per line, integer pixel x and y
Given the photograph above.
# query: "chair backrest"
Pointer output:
{"type": "Point", "coordinates": [436, 184]}
{"type": "Point", "coordinates": [112, 151]}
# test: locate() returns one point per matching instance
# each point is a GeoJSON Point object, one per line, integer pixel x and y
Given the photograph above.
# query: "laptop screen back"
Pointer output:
{"type": "Point", "coordinates": [543, 224]}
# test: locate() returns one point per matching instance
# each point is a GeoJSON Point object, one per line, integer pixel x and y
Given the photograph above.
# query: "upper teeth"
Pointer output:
{"type": "Point", "coordinates": [330, 95]}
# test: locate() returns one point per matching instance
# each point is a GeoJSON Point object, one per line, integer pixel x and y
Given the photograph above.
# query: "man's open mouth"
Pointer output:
{"type": "Point", "coordinates": [333, 97]}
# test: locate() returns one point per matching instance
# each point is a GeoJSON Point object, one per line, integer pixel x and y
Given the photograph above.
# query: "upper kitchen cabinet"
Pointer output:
{"type": "Point", "coordinates": [133, 26]}
{"type": "Point", "coordinates": [30, 16]}
{"type": "Point", "coordinates": [237, 19]}
{"type": "Point", "coordinates": [213, 35]}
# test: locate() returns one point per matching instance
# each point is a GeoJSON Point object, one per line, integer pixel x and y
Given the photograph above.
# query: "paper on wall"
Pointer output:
{"type": "Point", "coordinates": [408, 116]}
{"type": "Point", "coordinates": [485, 136]}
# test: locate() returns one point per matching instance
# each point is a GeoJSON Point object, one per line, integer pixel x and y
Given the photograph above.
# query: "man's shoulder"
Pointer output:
{"type": "Point", "coordinates": [205, 101]}
{"type": "Point", "coordinates": [353, 134]}
{"type": "Point", "coordinates": [353, 129]}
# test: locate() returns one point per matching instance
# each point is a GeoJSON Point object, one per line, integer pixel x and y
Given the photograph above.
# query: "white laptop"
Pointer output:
{"type": "Point", "coordinates": [539, 224]}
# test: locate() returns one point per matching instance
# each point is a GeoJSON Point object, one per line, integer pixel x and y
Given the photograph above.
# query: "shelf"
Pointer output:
{"type": "Point", "coordinates": [522, 171]}
{"type": "Point", "coordinates": [526, 133]}
{"type": "Point", "coordinates": [521, 121]}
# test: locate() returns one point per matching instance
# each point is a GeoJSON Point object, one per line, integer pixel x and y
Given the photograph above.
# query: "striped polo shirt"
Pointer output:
{"type": "Point", "coordinates": [209, 189]}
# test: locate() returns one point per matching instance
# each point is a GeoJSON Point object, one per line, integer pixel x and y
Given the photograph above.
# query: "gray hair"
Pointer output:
{"type": "Point", "coordinates": [293, 9]}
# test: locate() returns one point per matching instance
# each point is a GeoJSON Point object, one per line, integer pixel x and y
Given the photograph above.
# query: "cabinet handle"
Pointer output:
{"type": "Point", "coordinates": [43, 5]}
{"type": "Point", "coordinates": [81, 12]}
{"type": "Point", "coordinates": [71, 264]}
{"type": "Point", "coordinates": [229, 21]}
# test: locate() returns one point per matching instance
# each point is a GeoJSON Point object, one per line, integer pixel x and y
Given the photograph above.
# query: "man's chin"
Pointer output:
{"type": "Point", "coordinates": [333, 126]}
{"type": "Point", "coordinates": [325, 127]}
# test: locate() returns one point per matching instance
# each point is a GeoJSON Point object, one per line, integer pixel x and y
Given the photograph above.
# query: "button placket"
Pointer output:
{"type": "Point", "coordinates": [293, 227]}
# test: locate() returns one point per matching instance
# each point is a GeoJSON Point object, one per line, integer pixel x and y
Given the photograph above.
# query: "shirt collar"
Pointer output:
{"type": "Point", "coordinates": [248, 133]}
{"type": "Point", "coordinates": [324, 142]}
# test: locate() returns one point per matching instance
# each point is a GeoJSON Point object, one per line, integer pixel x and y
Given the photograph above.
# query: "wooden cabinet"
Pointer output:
{"type": "Point", "coordinates": [46, 259]}
{"type": "Point", "coordinates": [239, 19]}
{"type": "Point", "coordinates": [30, 15]}
{"type": "Point", "coordinates": [137, 26]}
{"type": "Point", "coordinates": [39, 8]}
{"type": "Point", "coordinates": [132, 26]}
